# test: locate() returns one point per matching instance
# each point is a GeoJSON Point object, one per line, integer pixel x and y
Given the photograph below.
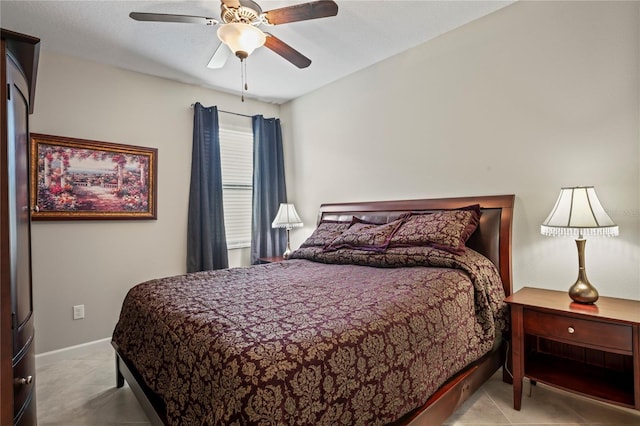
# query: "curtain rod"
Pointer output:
{"type": "Point", "coordinates": [229, 112]}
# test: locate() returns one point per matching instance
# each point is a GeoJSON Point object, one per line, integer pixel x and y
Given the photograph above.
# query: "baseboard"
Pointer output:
{"type": "Point", "coordinates": [72, 352]}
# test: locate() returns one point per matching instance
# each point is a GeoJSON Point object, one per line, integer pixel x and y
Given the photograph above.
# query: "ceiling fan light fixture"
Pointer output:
{"type": "Point", "coordinates": [241, 38]}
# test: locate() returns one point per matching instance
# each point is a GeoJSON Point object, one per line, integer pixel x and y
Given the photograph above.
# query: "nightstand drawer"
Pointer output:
{"type": "Point", "coordinates": [582, 332]}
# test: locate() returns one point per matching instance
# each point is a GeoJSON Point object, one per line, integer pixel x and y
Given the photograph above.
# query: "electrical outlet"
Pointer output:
{"type": "Point", "coordinates": [78, 312]}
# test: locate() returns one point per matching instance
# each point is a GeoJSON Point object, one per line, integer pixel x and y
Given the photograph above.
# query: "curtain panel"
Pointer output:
{"type": "Point", "coordinates": [206, 239]}
{"type": "Point", "coordinates": [269, 189]}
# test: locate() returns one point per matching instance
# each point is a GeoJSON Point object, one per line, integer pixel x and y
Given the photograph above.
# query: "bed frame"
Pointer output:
{"type": "Point", "coordinates": [492, 238]}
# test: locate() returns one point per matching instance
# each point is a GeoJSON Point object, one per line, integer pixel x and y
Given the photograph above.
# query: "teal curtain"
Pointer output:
{"type": "Point", "coordinates": [269, 189]}
{"type": "Point", "coordinates": [206, 240]}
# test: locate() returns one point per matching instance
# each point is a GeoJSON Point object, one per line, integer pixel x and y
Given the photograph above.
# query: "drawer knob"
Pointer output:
{"type": "Point", "coordinates": [24, 380]}
{"type": "Point", "coordinates": [571, 330]}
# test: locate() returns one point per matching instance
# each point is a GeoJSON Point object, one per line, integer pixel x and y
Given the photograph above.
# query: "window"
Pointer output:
{"type": "Point", "coordinates": [236, 157]}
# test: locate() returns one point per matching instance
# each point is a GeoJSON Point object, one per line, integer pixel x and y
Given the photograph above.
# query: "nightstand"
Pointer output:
{"type": "Point", "coordinates": [591, 350]}
{"type": "Point", "coordinates": [273, 259]}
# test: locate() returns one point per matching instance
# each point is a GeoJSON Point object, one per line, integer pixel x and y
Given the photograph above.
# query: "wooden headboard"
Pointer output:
{"type": "Point", "coordinates": [492, 238]}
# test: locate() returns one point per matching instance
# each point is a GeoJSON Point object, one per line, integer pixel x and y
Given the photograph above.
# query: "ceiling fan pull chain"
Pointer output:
{"type": "Point", "coordinates": [242, 78]}
{"type": "Point", "coordinates": [246, 86]}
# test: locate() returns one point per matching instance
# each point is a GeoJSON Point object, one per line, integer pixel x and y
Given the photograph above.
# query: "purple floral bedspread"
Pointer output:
{"type": "Point", "coordinates": [322, 342]}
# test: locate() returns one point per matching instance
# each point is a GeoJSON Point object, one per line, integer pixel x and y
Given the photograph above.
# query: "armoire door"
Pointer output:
{"type": "Point", "coordinates": [19, 235]}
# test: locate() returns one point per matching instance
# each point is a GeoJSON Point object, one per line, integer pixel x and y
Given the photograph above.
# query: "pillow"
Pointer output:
{"type": "Point", "coordinates": [447, 230]}
{"type": "Point", "coordinates": [363, 235]}
{"type": "Point", "coordinates": [325, 233]}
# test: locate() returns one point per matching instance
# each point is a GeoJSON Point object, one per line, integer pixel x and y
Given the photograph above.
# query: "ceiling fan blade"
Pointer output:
{"type": "Point", "coordinates": [219, 57]}
{"type": "Point", "coordinates": [165, 17]}
{"type": "Point", "coordinates": [231, 3]}
{"type": "Point", "coordinates": [286, 51]}
{"type": "Point", "coordinates": [302, 12]}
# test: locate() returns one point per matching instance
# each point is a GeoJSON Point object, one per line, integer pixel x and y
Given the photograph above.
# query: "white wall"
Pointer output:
{"type": "Point", "coordinates": [534, 97]}
{"type": "Point", "coordinates": [94, 262]}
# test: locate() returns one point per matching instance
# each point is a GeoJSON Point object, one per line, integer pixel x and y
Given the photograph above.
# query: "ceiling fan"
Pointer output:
{"type": "Point", "coordinates": [239, 28]}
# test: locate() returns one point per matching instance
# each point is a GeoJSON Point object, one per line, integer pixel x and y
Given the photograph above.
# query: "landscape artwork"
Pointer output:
{"type": "Point", "coordinates": [82, 179]}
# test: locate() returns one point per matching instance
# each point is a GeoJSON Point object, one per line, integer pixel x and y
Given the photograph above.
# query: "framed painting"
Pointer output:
{"type": "Point", "coordinates": [83, 179]}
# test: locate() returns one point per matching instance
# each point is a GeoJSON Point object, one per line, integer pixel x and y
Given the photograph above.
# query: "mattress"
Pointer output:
{"type": "Point", "coordinates": [341, 337]}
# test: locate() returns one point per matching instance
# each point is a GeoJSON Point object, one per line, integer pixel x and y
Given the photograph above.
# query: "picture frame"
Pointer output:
{"type": "Point", "coordinates": [84, 179]}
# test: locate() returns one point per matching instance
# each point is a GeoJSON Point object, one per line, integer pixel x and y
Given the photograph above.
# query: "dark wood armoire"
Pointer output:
{"type": "Point", "coordinates": [17, 357]}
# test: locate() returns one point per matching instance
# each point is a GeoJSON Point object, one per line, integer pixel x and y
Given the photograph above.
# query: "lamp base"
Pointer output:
{"type": "Point", "coordinates": [582, 291]}
{"type": "Point", "coordinates": [288, 251]}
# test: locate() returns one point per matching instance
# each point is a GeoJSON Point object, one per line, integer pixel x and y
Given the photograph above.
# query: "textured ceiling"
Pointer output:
{"type": "Point", "coordinates": [363, 33]}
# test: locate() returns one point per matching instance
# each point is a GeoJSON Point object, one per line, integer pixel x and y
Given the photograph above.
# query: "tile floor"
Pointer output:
{"type": "Point", "coordinates": [80, 391]}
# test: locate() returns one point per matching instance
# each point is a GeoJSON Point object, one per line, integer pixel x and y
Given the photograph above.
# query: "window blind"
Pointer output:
{"type": "Point", "coordinates": [236, 158]}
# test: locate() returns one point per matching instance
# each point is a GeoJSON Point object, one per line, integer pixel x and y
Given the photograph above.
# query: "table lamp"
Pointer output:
{"type": "Point", "coordinates": [578, 213]}
{"type": "Point", "coordinates": [287, 218]}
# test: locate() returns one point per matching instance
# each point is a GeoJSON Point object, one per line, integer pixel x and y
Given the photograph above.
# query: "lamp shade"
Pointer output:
{"type": "Point", "coordinates": [578, 212]}
{"type": "Point", "coordinates": [241, 38]}
{"type": "Point", "coordinates": [287, 217]}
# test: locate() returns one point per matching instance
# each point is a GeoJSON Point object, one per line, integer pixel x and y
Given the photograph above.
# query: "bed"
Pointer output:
{"type": "Point", "coordinates": [371, 321]}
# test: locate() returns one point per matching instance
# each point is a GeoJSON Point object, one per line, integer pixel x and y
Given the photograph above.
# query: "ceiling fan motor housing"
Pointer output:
{"type": "Point", "coordinates": [248, 13]}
